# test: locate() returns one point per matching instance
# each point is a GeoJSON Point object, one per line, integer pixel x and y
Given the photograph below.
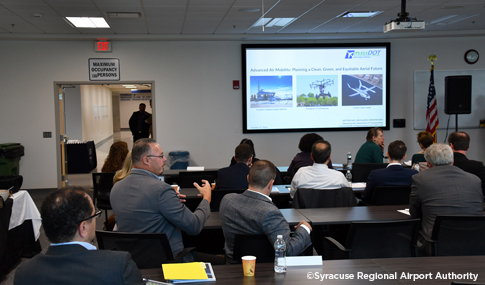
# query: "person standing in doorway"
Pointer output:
{"type": "Point", "coordinates": [139, 123]}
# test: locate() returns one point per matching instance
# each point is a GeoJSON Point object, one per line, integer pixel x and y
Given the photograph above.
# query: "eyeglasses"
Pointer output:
{"type": "Point", "coordinates": [159, 156]}
{"type": "Point", "coordinates": [97, 213]}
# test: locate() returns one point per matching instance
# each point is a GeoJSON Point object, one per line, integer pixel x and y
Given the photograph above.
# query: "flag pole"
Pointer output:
{"type": "Point", "coordinates": [432, 121]}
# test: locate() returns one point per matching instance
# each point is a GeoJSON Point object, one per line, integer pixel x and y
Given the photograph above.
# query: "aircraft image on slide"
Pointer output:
{"type": "Point", "coordinates": [362, 91]}
{"type": "Point", "coordinates": [322, 86]}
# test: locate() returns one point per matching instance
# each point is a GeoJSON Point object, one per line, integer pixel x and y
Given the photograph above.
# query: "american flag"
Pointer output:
{"type": "Point", "coordinates": [432, 121]}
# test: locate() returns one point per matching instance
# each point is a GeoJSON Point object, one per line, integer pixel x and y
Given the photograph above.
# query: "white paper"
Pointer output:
{"type": "Point", "coordinates": [405, 211]}
{"type": "Point", "coordinates": [275, 190]}
{"type": "Point", "coordinates": [304, 260]}
{"type": "Point", "coordinates": [195, 168]}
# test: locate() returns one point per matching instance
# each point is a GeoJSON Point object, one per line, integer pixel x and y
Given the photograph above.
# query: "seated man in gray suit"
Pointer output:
{"type": "Point", "coordinates": [443, 189]}
{"type": "Point", "coordinates": [253, 213]}
{"type": "Point", "coordinates": [460, 143]}
{"type": "Point", "coordinates": [69, 220]}
{"type": "Point", "coordinates": [142, 203]}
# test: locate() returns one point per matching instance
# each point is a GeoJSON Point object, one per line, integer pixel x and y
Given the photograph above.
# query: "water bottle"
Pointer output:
{"type": "Point", "coordinates": [348, 176]}
{"type": "Point", "coordinates": [280, 255]}
{"type": "Point", "coordinates": [349, 159]}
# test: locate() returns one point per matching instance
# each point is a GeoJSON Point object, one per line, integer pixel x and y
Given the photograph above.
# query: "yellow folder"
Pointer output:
{"type": "Point", "coordinates": [178, 271]}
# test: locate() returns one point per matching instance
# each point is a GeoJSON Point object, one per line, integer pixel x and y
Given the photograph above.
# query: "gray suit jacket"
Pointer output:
{"type": "Point", "coordinates": [444, 190]}
{"type": "Point", "coordinates": [251, 213]}
{"type": "Point", "coordinates": [144, 204]}
{"type": "Point", "coordinates": [74, 264]}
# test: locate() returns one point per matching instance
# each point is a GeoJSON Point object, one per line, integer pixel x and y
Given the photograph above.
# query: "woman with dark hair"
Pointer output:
{"type": "Point", "coordinates": [425, 139]}
{"type": "Point", "coordinates": [116, 157]}
{"type": "Point", "coordinates": [304, 157]}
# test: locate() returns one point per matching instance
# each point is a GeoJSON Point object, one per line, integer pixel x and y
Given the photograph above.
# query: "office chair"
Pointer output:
{"type": "Point", "coordinates": [186, 179]}
{"type": "Point", "coordinates": [256, 245]}
{"type": "Point", "coordinates": [102, 184]}
{"type": "Point", "coordinates": [317, 198]}
{"type": "Point", "coordinates": [360, 171]}
{"type": "Point", "coordinates": [218, 194]}
{"type": "Point", "coordinates": [148, 250]}
{"type": "Point", "coordinates": [391, 195]}
{"type": "Point", "coordinates": [377, 240]}
{"type": "Point", "coordinates": [457, 235]}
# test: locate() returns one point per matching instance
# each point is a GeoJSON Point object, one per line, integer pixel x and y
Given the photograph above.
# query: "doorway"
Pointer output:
{"type": "Point", "coordinates": [83, 112]}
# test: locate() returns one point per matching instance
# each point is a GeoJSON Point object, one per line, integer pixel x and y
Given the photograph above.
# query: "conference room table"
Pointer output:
{"type": "Point", "coordinates": [411, 270]}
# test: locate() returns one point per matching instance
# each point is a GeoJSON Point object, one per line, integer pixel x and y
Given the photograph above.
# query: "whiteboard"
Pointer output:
{"type": "Point", "coordinates": [421, 85]}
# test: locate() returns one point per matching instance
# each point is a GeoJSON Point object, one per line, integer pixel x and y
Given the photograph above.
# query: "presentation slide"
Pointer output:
{"type": "Point", "coordinates": [315, 87]}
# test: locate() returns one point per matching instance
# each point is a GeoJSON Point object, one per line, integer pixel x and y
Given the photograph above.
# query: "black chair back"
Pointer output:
{"type": "Point", "coordinates": [218, 194]}
{"type": "Point", "coordinates": [148, 250]}
{"type": "Point", "coordinates": [317, 198]}
{"type": "Point", "coordinates": [102, 184]}
{"type": "Point", "coordinates": [383, 239]}
{"type": "Point", "coordinates": [186, 179]}
{"type": "Point", "coordinates": [459, 235]}
{"type": "Point", "coordinates": [360, 171]}
{"type": "Point", "coordinates": [255, 245]}
{"type": "Point", "coordinates": [391, 195]}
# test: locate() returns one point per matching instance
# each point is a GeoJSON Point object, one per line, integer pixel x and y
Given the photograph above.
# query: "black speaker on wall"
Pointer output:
{"type": "Point", "coordinates": [458, 94]}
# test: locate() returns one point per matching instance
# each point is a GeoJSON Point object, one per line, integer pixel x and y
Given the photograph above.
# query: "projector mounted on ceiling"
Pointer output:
{"type": "Point", "coordinates": [404, 23]}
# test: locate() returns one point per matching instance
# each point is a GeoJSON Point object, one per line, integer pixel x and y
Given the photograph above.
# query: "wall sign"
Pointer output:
{"type": "Point", "coordinates": [102, 46]}
{"type": "Point", "coordinates": [104, 69]}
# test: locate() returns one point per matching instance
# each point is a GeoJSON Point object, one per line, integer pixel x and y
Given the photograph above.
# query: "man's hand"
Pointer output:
{"type": "Point", "coordinates": [205, 190]}
{"type": "Point", "coordinates": [181, 197]}
{"type": "Point", "coordinates": [303, 223]}
{"type": "Point", "coordinates": [383, 145]}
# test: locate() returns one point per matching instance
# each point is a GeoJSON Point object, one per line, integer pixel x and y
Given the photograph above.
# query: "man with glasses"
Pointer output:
{"type": "Point", "coordinates": [69, 220]}
{"type": "Point", "coordinates": [142, 203]}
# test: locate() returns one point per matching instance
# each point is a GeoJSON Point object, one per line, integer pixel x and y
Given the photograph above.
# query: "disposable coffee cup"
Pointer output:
{"type": "Point", "coordinates": [176, 187]}
{"type": "Point", "coordinates": [213, 185]}
{"type": "Point", "coordinates": [249, 265]}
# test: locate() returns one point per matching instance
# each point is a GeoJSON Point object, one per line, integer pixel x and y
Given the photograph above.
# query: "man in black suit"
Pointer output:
{"type": "Point", "coordinates": [69, 220]}
{"type": "Point", "coordinates": [236, 176]}
{"type": "Point", "coordinates": [393, 175]}
{"type": "Point", "coordinates": [140, 123]}
{"type": "Point", "coordinates": [460, 143]}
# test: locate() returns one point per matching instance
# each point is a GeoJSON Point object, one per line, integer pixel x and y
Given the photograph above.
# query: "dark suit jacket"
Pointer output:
{"type": "Point", "coordinates": [444, 190]}
{"type": "Point", "coordinates": [470, 166]}
{"type": "Point", "coordinates": [250, 213]}
{"type": "Point", "coordinates": [134, 121]}
{"type": "Point", "coordinates": [233, 177]}
{"type": "Point", "coordinates": [74, 264]}
{"type": "Point", "coordinates": [394, 175]}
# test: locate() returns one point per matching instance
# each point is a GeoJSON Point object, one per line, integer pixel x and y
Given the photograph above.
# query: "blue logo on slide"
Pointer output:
{"type": "Point", "coordinates": [350, 54]}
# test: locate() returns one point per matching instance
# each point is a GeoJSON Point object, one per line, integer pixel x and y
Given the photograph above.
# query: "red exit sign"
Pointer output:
{"type": "Point", "coordinates": [102, 46]}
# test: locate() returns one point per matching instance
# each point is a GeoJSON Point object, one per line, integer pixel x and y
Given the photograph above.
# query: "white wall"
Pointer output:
{"type": "Point", "coordinates": [196, 108]}
{"type": "Point", "coordinates": [97, 113]}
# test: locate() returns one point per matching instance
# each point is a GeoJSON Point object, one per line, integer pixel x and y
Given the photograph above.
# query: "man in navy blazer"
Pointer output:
{"type": "Point", "coordinates": [393, 175]}
{"type": "Point", "coordinates": [69, 221]}
{"type": "Point", "coordinates": [460, 143]}
{"type": "Point", "coordinates": [253, 213]}
{"type": "Point", "coordinates": [236, 176]}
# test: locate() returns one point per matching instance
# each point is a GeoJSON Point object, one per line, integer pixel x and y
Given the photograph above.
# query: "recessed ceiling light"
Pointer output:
{"type": "Point", "coordinates": [365, 14]}
{"type": "Point", "coordinates": [249, 10]}
{"type": "Point", "coordinates": [124, 14]}
{"type": "Point", "coordinates": [88, 22]}
{"type": "Point", "coordinates": [270, 22]}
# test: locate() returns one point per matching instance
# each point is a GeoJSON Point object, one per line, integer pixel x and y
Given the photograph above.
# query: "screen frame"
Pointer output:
{"type": "Point", "coordinates": [245, 47]}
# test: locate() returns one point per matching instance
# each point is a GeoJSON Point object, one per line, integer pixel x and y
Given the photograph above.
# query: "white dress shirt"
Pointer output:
{"type": "Point", "coordinates": [318, 176]}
